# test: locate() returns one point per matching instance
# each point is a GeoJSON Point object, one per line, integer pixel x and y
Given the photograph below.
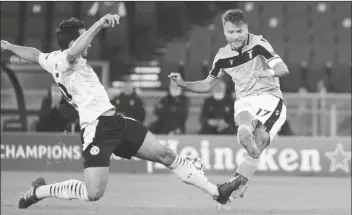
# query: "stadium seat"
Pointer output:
{"type": "Point", "coordinates": [324, 49]}
{"type": "Point", "coordinates": [200, 50]}
{"type": "Point", "coordinates": [252, 11]}
{"type": "Point", "coordinates": [34, 42]}
{"type": "Point", "coordinates": [64, 9]}
{"type": "Point", "coordinates": [341, 75]}
{"type": "Point", "coordinates": [34, 27]}
{"type": "Point", "coordinates": [296, 55]}
{"type": "Point", "coordinates": [53, 44]}
{"type": "Point", "coordinates": [299, 39]}
{"type": "Point", "coordinates": [84, 8]}
{"type": "Point", "coordinates": [55, 23]}
{"type": "Point", "coordinates": [10, 8]}
{"type": "Point", "coordinates": [344, 54]}
{"type": "Point", "coordinates": [94, 52]}
{"type": "Point", "coordinates": [321, 17]}
{"type": "Point", "coordinates": [36, 18]}
{"type": "Point", "coordinates": [10, 27]}
{"type": "Point", "coordinates": [272, 9]}
{"type": "Point", "coordinates": [37, 8]}
{"type": "Point", "coordinates": [294, 24]}
{"type": "Point", "coordinates": [342, 9]}
{"type": "Point", "coordinates": [297, 48]}
{"type": "Point", "coordinates": [272, 28]}
{"type": "Point", "coordinates": [276, 40]}
{"type": "Point", "coordinates": [297, 8]}
{"type": "Point", "coordinates": [292, 82]}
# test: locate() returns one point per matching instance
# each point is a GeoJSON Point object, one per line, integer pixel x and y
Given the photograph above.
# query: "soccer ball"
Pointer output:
{"type": "Point", "coordinates": [198, 164]}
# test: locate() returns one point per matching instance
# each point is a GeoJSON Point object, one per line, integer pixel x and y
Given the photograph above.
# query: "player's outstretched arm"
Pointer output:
{"type": "Point", "coordinates": [82, 43]}
{"type": "Point", "coordinates": [203, 86]}
{"type": "Point", "coordinates": [26, 53]}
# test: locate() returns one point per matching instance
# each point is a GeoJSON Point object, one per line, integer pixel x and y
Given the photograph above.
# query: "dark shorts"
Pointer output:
{"type": "Point", "coordinates": [113, 134]}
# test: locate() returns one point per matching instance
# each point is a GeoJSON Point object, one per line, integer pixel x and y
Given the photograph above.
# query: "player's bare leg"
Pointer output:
{"type": "Point", "coordinates": [183, 168]}
{"type": "Point", "coordinates": [247, 168]}
{"type": "Point", "coordinates": [92, 189]}
{"type": "Point", "coordinates": [152, 150]}
{"type": "Point", "coordinates": [247, 139]}
{"type": "Point", "coordinates": [245, 133]}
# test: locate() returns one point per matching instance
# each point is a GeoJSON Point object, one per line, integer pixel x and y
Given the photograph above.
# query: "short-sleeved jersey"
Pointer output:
{"type": "Point", "coordinates": [79, 85]}
{"type": "Point", "coordinates": [255, 58]}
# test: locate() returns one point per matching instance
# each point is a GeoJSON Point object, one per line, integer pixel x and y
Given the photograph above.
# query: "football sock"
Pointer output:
{"type": "Point", "coordinates": [70, 189]}
{"type": "Point", "coordinates": [248, 167]}
{"type": "Point", "coordinates": [186, 171]}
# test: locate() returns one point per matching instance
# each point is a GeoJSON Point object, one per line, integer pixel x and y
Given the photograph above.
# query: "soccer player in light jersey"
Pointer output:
{"type": "Point", "coordinates": [103, 130]}
{"type": "Point", "coordinates": [255, 69]}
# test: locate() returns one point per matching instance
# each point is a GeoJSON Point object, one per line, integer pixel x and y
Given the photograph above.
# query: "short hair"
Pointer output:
{"type": "Point", "coordinates": [235, 16]}
{"type": "Point", "coordinates": [67, 31]}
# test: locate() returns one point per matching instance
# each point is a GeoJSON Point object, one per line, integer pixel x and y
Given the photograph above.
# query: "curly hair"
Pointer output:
{"type": "Point", "coordinates": [67, 31]}
{"type": "Point", "coordinates": [235, 16]}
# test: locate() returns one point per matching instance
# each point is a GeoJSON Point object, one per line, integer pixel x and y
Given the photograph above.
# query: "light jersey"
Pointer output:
{"type": "Point", "coordinates": [256, 57]}
{"type": "Point", "coordinates": [79, 85]}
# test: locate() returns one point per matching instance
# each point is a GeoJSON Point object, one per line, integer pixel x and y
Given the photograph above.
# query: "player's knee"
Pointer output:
{"type": "Point", "coordinates": [95, 194]}
{"type": "Point", "coordinates": [167, 157]}
{"type": "Point", "coordinates": [244, 133]}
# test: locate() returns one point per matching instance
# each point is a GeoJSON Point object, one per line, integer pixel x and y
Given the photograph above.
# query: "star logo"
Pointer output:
{"type": "Point", "coordinates": [339, 159]}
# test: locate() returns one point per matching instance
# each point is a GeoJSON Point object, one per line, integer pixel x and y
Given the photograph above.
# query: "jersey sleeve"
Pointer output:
{"type": "Point", "coordinates": [268, 53]}
{"type": "Point", "coordinates": [47, 61]}
{"type": "Point", "coordinates": [216, 71]}
{"type": "Point", "coordinates": [54, 62]}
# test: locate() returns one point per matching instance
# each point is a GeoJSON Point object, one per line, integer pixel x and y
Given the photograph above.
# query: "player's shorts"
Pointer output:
{"type": "Point", "coordinates": [266, 108]}
{"type": "Point", "coordinates": [116, 134]}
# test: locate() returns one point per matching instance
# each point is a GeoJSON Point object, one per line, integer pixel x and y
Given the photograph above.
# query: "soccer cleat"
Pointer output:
{"type": "Point", "coordinates": [226, 189]}
{"type": "Point", "coordinates": [29, 198]}
{"type": "Point", "coordinates": [239, 193]}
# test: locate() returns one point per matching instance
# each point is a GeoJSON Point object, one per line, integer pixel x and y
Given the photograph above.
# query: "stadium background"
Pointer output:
{"type": "Point", "coordinates": [154, 39]}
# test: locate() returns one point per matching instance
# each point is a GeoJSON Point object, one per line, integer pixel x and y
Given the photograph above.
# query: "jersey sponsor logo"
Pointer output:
{"type": "Point", "coordinates": [94, 150]}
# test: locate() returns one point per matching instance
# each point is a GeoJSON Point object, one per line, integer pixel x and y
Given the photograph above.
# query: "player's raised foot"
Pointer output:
{"type": "Point", "coordinates": [29, 198]}
{"type": "Point", "coordinates": [226, 189]}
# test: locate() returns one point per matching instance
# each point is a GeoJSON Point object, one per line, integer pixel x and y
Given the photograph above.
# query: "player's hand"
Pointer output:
{"type": "Point", "coordinates": [109, 20]}
{"type": "Point", "coordinates": [5, 45]}
{"type": "Point", "coordinates": [176, 77]}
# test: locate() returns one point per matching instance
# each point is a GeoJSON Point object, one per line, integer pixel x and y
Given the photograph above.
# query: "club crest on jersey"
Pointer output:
{"type": "Point", "coordinates": [94, 150]}
{"type": "Point", "coordinates": [231, 61]}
